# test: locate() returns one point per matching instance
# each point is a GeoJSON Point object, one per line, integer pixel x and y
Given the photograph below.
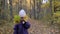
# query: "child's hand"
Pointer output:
{"type": "Point", "coordinates": [23, 21]}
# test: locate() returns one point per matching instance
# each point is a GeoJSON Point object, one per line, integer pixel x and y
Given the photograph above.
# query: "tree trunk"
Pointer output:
{"type": "Point", "coordinates": [10, 2]}
{"type": "Point", "coordinates": [34, 10]}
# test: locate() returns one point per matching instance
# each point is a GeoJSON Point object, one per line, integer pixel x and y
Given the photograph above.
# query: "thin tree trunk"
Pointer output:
{"type": "Point", "coordinates": [34, 10]}
{"type": "Point", "coordinates": [51, 12]}
{"type": "Point", "coordinates": [10, 2]}
{"type": "Point", "coordinates": [30, 8]}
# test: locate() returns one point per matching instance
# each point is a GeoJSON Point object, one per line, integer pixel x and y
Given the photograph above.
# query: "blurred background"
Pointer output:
{"type": "Point", "coordinates": [44, 15]}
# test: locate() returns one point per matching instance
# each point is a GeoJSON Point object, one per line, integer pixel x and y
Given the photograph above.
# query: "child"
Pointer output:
{"type": "Point", "coordinates": [23, 26]}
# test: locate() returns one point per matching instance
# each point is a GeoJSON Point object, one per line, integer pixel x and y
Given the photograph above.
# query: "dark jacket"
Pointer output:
{"type": "Point", "coordinates": [21, 28]}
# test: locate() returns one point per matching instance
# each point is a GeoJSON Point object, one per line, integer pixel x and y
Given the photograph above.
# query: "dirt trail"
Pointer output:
{"type": "Point", "coordinates": [37, 27]}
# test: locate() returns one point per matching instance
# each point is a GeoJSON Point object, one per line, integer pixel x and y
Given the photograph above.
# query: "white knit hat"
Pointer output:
{"type": "Point", "coordinates": [22, 13]}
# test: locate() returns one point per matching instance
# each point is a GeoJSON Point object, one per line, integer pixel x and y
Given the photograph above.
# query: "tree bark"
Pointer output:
{"type": "Point", "coordinates": [11, 12]}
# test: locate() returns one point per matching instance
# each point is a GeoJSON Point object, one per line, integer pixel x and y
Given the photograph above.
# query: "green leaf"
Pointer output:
{"type": "Point", "coordinates": [16, 18]}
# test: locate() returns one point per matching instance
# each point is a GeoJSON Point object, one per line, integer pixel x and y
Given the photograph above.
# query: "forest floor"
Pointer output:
{"type": "Point", "coordinates": [37, 27]}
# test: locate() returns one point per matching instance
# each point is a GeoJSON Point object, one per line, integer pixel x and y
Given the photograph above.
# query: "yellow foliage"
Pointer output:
{"type": "Point", "coordinates": [45, 5]}
{"type": "Point", "coordinates": [26, 18]}
{"type": "Point", "coordinates": [14, 2]}
{"type": "Point", "coordinates": [16, 18]}
{"type": "Point", "coordinates": [57, 3]}
{"type": "Point", "coordinates": [57, 14]}
{"type": "Point", "coordinates": [28, 3]}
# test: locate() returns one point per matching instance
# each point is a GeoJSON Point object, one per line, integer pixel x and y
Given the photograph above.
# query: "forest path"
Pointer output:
{"type": "Point", "coordinates": [37, 27]}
